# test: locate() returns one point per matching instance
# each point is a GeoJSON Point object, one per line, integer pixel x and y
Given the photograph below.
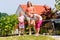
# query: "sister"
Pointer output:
{"type": "Point", "coordinates": [29, 13]}
{"type": "Point", "coordinates": [21, 23]}
{"type": "Point", "coordinates": [38, 22]}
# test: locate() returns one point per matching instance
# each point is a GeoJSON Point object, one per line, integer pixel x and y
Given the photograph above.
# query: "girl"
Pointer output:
{"type": "Point", "coordinates": [29, 13]}
{"type": "Point", "coordinates": [21, 23]}
{"type": "Point", "coordinates": [38, 22]}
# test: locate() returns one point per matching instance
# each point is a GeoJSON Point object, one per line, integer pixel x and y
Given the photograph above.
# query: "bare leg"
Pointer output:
{"type": "Point", "coordinates": [29, 27]}
{"type": "Point", "coordinates": [19, 31]}
{"type": "Point", "coordinates": [33, 23]}
{"type": "Point", "coordinates": [37, 32]}
{"type": "Point", "coordinates": [38, 29]}
{"type": "Point", "coordinates": [22, 30]}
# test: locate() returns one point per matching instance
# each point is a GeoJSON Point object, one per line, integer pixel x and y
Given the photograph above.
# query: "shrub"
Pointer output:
{"type": "Point", "coordinates": [7, 24]}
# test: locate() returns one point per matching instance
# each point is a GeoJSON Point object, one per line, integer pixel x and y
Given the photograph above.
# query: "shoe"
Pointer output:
{"type": "Point", "coordinates": [22, 33]}
{"type": "Point", "coordinates": [19, 35]}
{"type": "Point", "coordinates": [44, 34]}
{"type": "Point", "coordinates": [29, 33]}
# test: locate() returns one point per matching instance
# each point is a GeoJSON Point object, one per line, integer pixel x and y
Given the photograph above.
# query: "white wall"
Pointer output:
{"type": "Point", "coordinates": [19, 10]}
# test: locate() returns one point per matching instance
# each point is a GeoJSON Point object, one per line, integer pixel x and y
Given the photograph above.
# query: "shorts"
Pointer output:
{"type": "Point", "coordinates": [38, 24]}
{"type": "Point", "coordinates": [31, 18]}
{"type": "Point", "coordinates": [21, 25]}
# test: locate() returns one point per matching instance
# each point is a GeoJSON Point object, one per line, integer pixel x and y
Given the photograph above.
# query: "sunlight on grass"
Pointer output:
{"type": "Point", "coordinates": [26, 38]}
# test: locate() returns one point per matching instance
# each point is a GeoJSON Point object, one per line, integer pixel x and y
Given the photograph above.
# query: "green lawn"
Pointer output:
{"type": "Point", "coordinates": [26, 38]}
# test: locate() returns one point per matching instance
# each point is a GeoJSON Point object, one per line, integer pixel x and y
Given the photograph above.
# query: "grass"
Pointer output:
{"type": "Point", "coordinates": [26, 38]}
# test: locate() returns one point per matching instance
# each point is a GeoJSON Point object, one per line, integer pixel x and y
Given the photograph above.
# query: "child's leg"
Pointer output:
{"type": "Point", "coordinates": [15, 29]}
{"type": "Point", "coordinates": [29, 27]}
{"type": "Point", "coordinates": [29, 22]}
{"type": "Point", "coordinates": [36, 31]}
{"type": "Point", "coordinates": [37, 28]}
{"type": "Point", "coordinates": [34, 26]}
{"type": "Point", "coordinates": [33, 23]}
{"type": "Point", "coordinates": [22, 30]}
{"type": "Point", "coordinates": [39, 24]}
{"type": "Point", "coordinates": [19, 31]}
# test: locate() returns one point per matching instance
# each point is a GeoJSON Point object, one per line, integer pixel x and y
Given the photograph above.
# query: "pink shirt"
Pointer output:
{"type": "Point", "coordinates": [21, 19]}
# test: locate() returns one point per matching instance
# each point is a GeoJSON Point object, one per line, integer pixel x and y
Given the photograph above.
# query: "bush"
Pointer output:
{"type": "Point", "coordinates": [7, 24]}
{"type": "Point", "coordinates": [57, 32]}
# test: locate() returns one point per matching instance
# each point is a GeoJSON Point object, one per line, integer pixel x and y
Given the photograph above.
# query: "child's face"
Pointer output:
{"type": "Point", "coordinates": [20, 14]}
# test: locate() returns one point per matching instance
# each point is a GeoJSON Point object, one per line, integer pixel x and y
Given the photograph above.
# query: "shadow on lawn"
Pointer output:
{"type": "Point", "coordinates": [9, 35]}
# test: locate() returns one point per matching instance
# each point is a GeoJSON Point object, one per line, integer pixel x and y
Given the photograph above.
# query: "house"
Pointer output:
{"type": "Point", "coordinates": [38, 8]}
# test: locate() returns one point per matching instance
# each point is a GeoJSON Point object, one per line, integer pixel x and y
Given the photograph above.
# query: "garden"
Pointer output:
{"type": "Point", "coordinates": [9, 23]}
{"type": "Point", "coordinates": [7, 26]}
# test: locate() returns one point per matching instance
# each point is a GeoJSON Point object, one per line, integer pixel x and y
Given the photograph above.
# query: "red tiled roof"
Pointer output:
{"type": "Point", "coordinates": [38, 8]}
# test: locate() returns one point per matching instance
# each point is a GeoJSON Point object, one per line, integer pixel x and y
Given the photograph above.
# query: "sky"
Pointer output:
{"type": "Point", "coordinates": [10, 6]}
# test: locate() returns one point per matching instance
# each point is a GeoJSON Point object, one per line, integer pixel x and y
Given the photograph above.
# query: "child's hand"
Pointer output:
{"type": "Point", "coordinates": [31, 15]}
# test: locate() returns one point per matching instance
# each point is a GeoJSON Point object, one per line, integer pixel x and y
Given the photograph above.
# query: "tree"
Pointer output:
{"type": "Point", "coordinates": [57, 4]}
{"type": "Point", "coordinates": [3, 14]}
{"type": "Point", "coordinates": [7, 24]}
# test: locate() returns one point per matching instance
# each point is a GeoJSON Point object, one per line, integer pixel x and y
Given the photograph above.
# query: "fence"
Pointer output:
{"type": "Point", "coordinates": [55, 23]}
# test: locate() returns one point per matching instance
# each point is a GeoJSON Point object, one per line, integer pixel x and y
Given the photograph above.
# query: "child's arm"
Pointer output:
{"type": "Point", "coordinates": [38, 17]}
{"type": "Point", "coordinates": [34, 10]}
{"type": "Point", "coordinates": [19, 19]}
{"type": "Point", "coordinates": [27, 13]}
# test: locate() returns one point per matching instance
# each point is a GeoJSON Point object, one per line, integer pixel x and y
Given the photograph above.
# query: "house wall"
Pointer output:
{"type": "Point", "coordinates": [19, 10]}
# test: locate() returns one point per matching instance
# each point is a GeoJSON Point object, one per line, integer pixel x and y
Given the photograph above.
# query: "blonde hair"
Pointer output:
{"type": "Point", "coordinates": [28, 3]}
